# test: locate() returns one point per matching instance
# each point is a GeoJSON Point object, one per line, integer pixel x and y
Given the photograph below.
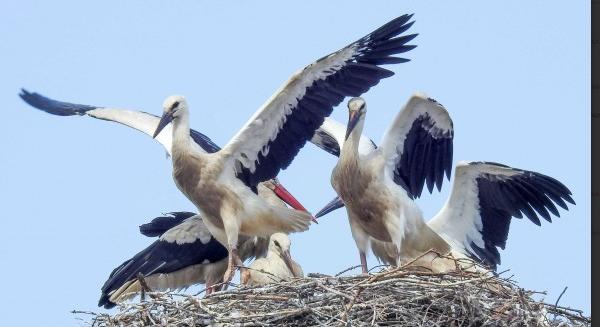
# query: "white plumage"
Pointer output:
{"type": "Point", "coordinates": [276, 266]}
{"type": "Point", "coordinates": [370, 180]}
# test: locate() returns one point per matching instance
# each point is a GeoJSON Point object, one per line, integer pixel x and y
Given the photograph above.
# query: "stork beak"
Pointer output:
{"type": "Point", "coordinates": [166, 118]}
{"type": "Point", "coordinates": [288, 198]}
{"type": "Point", "coordinates": [287, 258]}
{"type": "Point", "coordinates": [352, 121]}
{"type": "Point", "coordinates": [331, 206]}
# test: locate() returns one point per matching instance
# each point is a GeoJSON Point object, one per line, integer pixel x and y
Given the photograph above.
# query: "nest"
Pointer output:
{"type": "Point", "coordinates": [392, 297]}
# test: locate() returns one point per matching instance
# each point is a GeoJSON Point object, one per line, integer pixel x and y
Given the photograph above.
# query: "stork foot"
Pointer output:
{"type": "Point", "coordinates": [233, 261]}
{"type": "Point", "coordinates": [211, 287]}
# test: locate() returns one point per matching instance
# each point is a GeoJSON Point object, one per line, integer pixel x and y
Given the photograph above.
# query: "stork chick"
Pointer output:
{"type": "Point", "coordinates": [277, 266]}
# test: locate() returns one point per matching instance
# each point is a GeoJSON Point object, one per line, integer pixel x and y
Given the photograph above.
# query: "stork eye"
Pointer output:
{"type": "Point", "coordinates": [277, 244]}
{"type": "Point", "coordinates": [362, 106]}
{"type": "Point", "coordinates": [174, 105]}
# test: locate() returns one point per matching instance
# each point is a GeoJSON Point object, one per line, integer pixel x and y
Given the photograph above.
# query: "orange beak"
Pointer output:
{"type": "Point", "coordinates": [288, 198]}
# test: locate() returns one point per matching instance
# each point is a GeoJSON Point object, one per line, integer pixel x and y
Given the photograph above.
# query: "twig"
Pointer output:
{"type": "Point", "coordinates": [346, 270]}
{"type": "Point", "coordinates": [561, 294]}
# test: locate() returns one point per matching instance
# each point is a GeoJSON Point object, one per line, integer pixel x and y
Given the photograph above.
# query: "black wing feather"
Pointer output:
{"type": "Point", "coordinates": [356, 77]}
{"type": "Point", "coordinates": [426, 155]}
{"type": "Point", "coordinates": [160, 225]}
{"type": "Point", "coordinates": [54, 107]}
{"type": "Point", "coordinates": [502, 197]}
{"type": "Point", "coordinates": [161, 257]}
{"type": "Point", "coordinates": [61, 108]}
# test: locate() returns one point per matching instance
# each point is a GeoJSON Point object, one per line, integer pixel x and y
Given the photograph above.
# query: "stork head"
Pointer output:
{"type": "Point", "coordinates": [357, 109]}
{"type": "Point", "coordinates": [280, 243]}
{"type": "Point", "coordinates": [174, 107]}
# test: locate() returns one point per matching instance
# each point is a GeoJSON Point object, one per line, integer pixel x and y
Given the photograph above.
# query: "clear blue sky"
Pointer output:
{"type": "Point", "coordinates": [515, 76]}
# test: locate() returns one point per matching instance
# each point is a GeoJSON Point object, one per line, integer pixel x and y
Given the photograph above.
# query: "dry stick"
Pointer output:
{"type": "Point", "coordinates": [378, 266]}
{"type": "Point", "coordinates": [561, 294]}
{"type": "Point", "coordinates": [374, 316]}
{"type": "Point", "coordinates": [352, 301]}
{"type": "Point", "coordinates": [346, 270]}
{"type": "Point", "coordinates": [335, 291]}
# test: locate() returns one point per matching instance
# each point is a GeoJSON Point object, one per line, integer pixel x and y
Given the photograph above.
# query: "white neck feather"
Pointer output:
{"type": "Point", "coordinates": [350, 147]}
{"type": "Point", "coordinates": [181, 132]}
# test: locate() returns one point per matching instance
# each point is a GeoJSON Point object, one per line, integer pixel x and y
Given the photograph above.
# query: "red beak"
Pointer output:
{"type": "Point", "coordinates": [288, 198]}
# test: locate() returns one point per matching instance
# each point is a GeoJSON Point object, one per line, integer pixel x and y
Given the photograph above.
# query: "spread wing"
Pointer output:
{"type": "Point", "coordinates": [274, 135]}
{"type": "Point", "coordinates": [485, 196]}
{"type": "Point", "coordinates": [418, 145]}
{"type": "Point", "coordinates": [139, 120]}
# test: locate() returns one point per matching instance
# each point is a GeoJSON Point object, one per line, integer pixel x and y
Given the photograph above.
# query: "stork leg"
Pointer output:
{"type": "Point", "coordinates": [244, 277]}
{"type": "Point", "coordinates": [232, 228]}
{"type": "Point", "coordinates": [232, 262]}
{"type": "Point", "coordinates": [363, 262]}
{"type": "Point", "coordinates": [210, 287]}
{"type": "Point", "coordinates": [362, 241]}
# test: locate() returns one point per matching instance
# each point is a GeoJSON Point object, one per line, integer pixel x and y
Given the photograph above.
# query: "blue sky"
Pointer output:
{"type": "Point", "coordinates": [514, 76]}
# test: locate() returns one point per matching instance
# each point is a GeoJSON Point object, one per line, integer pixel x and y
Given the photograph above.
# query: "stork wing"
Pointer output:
{"type": "Point", "coordinates": [160, 225]}
{"type": "Point", "coordinates": [476, 217]}
{"type": "Point", "coordinates": [184, 245]}
{"type": "Point", "coordinates": [418, 145]}
{"type": "Point", "coordinates": [330, 137]}
{"type": "Point", "coordinates": [142, 121]}
{"type": "Point", "coordinates": [273, 136]}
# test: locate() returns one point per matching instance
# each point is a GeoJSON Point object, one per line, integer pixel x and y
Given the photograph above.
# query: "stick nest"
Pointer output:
{"type": "Point", "coordinates": [392, 297]}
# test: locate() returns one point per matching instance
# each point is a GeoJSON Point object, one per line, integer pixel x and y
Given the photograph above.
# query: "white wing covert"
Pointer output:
{"type": "Point", "coordinates": [484, 198]}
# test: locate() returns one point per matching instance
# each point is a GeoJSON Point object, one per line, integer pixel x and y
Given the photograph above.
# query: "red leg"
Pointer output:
{"type": "Point", "coordinates": [232, 261]}
{"type": "Point", "coordinates": [363, 262]}
{"type": "Point", "coordinates": [209, 289]}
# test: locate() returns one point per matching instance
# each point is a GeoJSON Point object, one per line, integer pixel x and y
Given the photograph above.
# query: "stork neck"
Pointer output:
{"type": "Point", "coordinates": [272, 253]}
{"type": "Point", "coordinates": [181, 132]}
{"type": "Point", "coordinates": [350, 147]}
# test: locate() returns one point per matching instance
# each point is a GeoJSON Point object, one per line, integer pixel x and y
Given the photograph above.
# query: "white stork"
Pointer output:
{"type": "Point", "coordinates": [474, 221]}
{"type": "Point", "coordinates": [220, 184]}
{"type": "Point", "coordinates": [416, 148]}
{"type": "Point", "coordinates": [229, 207]}
{"type": "Point", "coordinates": [276, 266]}
{"type": "Point", "coordinates": [271, 190]}
{"type": "Point", "coordinates": [184, 255]}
